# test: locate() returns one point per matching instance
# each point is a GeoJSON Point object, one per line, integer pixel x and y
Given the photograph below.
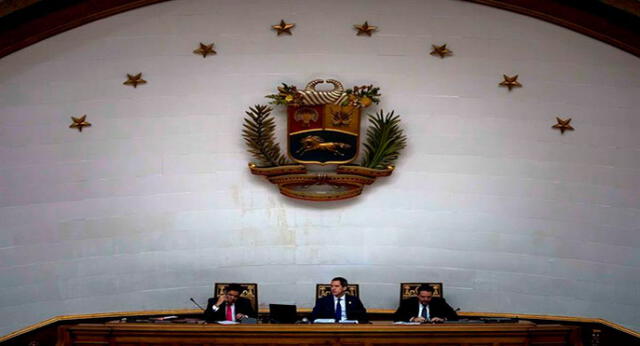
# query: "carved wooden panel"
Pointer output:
{"type": "Point", "coordinates": [323, 290]}
{"type": "Point", "coordinates": [379, 334]}
{"type": "Point", "coordinates": [409, 289]}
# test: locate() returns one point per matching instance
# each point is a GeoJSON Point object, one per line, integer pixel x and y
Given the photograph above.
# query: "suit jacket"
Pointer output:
{"type": "Point", "coordinates": [243, 306]}
{"type": "Point", "coordinates": [325, 308]}
{"type": "Point", "coordinates": [438, 307]}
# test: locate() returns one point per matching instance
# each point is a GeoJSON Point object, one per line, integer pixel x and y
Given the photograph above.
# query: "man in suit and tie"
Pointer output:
{"type": "Point", "coordinates": [424, 308]}
{"type": "Point", "coordinates": [229, 306]}
{"type": "Point", "coordinates": [339, 305]}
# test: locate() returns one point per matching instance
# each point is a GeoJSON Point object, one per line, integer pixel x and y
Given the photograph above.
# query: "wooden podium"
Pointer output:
{"type": "Point", "coordinates": [379, 333]}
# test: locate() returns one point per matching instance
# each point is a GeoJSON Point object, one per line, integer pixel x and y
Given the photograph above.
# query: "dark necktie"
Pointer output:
{"type": "Point", "coordinates": [424, 312]}
{"type": "Point", "coordinates": [338, 310]}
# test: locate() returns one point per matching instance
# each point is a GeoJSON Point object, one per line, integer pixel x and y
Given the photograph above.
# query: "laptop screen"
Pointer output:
{"type": "Point", "coordinates": [281, 313]}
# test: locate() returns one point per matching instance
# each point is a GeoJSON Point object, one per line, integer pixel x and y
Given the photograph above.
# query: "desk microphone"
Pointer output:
{"type": "Point", "coordinates": [198, 305]}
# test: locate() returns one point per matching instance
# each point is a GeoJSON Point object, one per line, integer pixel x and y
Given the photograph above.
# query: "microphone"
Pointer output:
{"type": "Point", "coordinates": [196, 303]}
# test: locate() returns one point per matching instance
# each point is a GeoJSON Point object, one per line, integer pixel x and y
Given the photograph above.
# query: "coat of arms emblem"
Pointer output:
{"type": "Point", "coordinates": [323, 128]}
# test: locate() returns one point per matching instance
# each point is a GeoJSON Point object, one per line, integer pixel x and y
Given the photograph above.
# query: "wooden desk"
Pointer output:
{"type": "Point", "coordinates": [380, 333]}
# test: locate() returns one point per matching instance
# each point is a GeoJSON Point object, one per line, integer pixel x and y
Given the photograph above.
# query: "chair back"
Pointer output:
{"type": "Point", "coordinates": [410, 289]}
{"type": "Point", "coordinates": [249, 291]}
{"type": "Point", "coordinates": [323, 290]}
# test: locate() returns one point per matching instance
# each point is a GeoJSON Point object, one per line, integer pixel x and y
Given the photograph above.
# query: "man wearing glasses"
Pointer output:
{"type": "Point", "coordinates": [229, 306]}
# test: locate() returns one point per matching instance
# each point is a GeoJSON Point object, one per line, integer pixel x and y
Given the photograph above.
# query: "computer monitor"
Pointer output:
{"type": "Point", "coordinates": [281, 313]}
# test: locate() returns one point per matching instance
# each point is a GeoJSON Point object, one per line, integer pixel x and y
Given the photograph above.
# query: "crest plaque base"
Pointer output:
{"type": "Point", "coordinates": [347, 182]}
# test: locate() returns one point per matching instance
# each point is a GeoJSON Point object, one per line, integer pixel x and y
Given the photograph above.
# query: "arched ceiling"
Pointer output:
{"type": "Point", "coordinates": [25, 22]}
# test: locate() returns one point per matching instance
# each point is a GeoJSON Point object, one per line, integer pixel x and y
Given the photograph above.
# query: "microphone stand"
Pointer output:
{"type": "Point", "coordinates": [196, 303]}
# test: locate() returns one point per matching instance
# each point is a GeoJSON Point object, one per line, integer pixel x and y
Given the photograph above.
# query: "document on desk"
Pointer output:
{"type": "Point", "coordinates": [227, 322]}
{"type": "Point", "coordinates": [163, 318]}
{"type": "Point", "coordinates": [324, 320]}
{"type": "Point", "coordinates": [407, 323]}
{"type": "Point", "coordinates": [331, 320]}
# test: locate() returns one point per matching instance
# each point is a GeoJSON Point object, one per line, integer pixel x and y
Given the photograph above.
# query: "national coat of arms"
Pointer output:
{"type": "Point", "coordinates": [323, 128]}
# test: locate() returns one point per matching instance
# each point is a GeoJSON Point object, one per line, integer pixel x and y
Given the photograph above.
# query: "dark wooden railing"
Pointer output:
{"type": "Point", "coordinates": [582, 331]}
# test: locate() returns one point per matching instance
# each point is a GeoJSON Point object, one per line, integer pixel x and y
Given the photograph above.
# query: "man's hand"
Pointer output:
{"type": "Point", "coordinates": [437, 320]}
{"type": "Point", "coordinates": [240, 316]}
{"type": "Point", "coordinates": [418, 319]}
{"type": "Point", "coordinates": [221, 299]}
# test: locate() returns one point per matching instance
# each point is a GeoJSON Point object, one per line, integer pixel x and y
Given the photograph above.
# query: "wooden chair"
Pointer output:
{"type": "Point", "coordinates": [410, 289]}
{"type": "Point", "coordinates": [249, 291]}
{"type": "Point", "coordinates": [323, 290]}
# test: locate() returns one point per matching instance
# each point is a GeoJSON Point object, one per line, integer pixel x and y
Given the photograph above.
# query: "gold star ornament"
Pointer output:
{"type": "Point", "coordinates": [563, 125]}
{"type": "Point", "coordinates": [79, 123]}
{"type": "Point", "coordinates": [205, 49]}
{"type": "Point", "coordinates": [365, 29]}
{"type": "Point", "coordinates": [510, 82]}
{"type": "Point", "coordinates": [441, 51]}
{"type": "Point", "coordinates": [283, 28]}
{"type": "Point", "coordinates": [134, 80]}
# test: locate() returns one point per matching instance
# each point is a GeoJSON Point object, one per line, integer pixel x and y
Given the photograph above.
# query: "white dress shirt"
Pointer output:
{"type": "Point", "coordinates": [343, 306]}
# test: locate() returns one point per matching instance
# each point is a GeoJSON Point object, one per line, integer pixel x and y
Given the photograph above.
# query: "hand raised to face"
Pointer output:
{"type": "Point", "coordinates": [229, 297]}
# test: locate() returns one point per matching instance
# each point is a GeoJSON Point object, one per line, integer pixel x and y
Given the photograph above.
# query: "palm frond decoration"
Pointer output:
{"type": "Point", "coordinates": [385, 139]}
{"type": "Point", "coordinates": [259, 135]}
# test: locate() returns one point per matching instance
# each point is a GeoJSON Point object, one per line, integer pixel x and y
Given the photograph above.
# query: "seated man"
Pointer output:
{"type": "Point", "coordinates": [339, 306]}
{"type": "Point", "coordinates": [424, 308]}
{"type": "Point", "coordinates": [229, 306]}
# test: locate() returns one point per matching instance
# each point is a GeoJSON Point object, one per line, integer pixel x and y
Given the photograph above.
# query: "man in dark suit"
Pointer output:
{"type": "Point", "coordinates": [339, 305]}
{"type": "Point", "coordinates": [424, 308]}
{"type": "Point", "coordinates": [229, 306]}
